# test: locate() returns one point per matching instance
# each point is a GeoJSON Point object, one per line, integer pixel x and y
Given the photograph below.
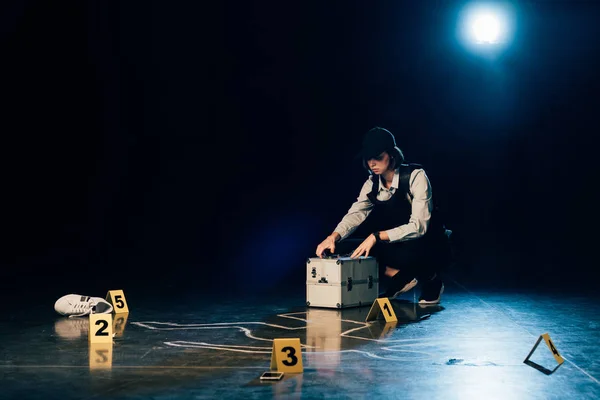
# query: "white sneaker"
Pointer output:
{"type": "Point", "coordinates": [432, 291]}
{"type": "Point", "coordinates": [75, 305]}
{"type": "Point", "coordinates": [406, 288]}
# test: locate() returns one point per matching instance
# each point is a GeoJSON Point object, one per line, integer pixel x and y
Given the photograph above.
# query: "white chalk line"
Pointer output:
{"type": "Point", "coordinates": [220, 325]}
{"type": "Point", "coordinates": [169, 326]}
{"type": "Point", "coordinates": [236, 349]}
{"type": "Point", "coordinates": [211, 367]}
{"type": "Point", "coordinates": [247, 332]}
{"type": "Point", "coordinates": [268, 350]}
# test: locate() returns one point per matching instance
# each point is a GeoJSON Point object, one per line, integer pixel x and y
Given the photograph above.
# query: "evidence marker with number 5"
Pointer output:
{"type": "Point", "coordinates": [118, 301]}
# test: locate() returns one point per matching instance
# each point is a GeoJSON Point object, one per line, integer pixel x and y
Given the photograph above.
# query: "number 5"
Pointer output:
{"type": "Point", "coordinates": [118, 302]}
{"type": "Point", "coordinates": [117, 299]}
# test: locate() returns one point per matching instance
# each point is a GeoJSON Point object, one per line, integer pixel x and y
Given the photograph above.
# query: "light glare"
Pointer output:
{"type": "Point", "coordinates": [486, 29]}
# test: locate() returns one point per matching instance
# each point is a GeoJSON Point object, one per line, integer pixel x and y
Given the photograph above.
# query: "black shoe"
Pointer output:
{"type": "Point", "coordinates": [432, 290]}
{"type": "Point", "coordinates": [399, 284]}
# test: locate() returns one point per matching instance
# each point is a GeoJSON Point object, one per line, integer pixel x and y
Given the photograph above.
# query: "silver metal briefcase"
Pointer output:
{"type": "Point", "coordinates": [341, 282]}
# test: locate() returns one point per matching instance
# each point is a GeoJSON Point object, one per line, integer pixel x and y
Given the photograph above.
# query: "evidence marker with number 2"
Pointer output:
{"type": "Point", "coordinates": [101, 328]}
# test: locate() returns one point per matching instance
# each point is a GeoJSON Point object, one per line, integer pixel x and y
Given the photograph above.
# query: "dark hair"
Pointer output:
{"type": "Point", "coordinates": [396, 158]}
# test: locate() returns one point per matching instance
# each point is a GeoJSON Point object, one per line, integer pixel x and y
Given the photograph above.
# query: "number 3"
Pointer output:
{"type": "Point", "coordinates": [291, 355]}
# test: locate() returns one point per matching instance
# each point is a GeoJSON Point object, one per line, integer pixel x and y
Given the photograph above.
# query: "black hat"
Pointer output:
{"type": "Point", "coordinates": [375, 142]}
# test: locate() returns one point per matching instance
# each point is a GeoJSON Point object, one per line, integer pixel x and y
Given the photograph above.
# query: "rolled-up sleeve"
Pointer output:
{"type": "Point", "coordinates": [421, 209]}
{"type": "Point", "coordinates": [357, 213]}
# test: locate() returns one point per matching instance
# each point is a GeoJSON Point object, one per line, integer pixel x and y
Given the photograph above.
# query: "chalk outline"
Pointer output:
{"type": "Point", "coordinates": [173, 326]}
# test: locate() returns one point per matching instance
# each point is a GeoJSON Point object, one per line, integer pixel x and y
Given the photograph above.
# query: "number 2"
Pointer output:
{"type": "Point", "coordinates": [291, 355]}
{"type": "Point", "coordinates": [101, 331]}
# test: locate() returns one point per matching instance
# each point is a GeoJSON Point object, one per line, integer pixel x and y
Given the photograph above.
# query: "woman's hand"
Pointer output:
{"type": "Point", "coordinates": [365, 247]}
{"type": "Point", "coordinates": [328, 243]}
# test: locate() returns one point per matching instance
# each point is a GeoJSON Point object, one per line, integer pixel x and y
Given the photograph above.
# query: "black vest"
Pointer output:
{"type": "Point", "coordinates": [396, 211]}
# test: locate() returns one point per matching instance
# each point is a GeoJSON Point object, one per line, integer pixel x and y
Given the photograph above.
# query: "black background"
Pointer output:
{"type": "Point", "coordinates": [166, 144]}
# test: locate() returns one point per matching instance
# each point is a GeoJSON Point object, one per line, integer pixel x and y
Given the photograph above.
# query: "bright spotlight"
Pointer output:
{"type": "Point", "coordinates": [486, 29]}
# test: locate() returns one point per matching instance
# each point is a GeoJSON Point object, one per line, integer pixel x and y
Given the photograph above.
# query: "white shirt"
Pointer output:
{"type": "Point", "coordinates": [421, 205]}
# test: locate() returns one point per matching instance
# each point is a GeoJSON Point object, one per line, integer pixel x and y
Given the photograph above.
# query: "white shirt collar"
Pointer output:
{"type": "Point", "coordinates": [395, 181]}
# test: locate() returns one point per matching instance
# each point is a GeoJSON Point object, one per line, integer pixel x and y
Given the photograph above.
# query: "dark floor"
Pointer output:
{"type": "Point", "coordinates": [471, 346]}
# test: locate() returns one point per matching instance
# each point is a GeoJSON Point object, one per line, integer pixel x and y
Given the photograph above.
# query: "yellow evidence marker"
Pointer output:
{"type": "Point", "coordinates": [117, 299]}
{"type": "Point", "coordinates": [550, 345]}
{"type": "Point", "coordinates": [100, 355]}
{"type": "Point", "coordinates": [286, 356]}
{"type": "Point", "coordinates": [101, 328]}
{"type": "Point", "coordinates": [383, 306]}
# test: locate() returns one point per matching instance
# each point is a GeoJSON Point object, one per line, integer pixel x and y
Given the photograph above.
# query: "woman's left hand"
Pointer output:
{"type": "Point", "coordinates": [364, 247]}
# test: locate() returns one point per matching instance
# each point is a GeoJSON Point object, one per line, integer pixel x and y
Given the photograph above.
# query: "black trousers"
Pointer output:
{"type": "Point", "coordinates": [420, 258]}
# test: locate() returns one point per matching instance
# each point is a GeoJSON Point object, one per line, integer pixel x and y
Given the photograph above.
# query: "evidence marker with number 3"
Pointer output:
{"type": "Point", "coordinates": [101, 328]}
{"type": "Point", "coordinates": [117, 299]}
{"type": "Point", "coordinates": [287, 356]}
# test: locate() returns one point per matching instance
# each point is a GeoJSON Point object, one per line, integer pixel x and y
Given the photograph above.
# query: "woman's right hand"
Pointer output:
{"type": "Point", "coordinates": [328, 243]}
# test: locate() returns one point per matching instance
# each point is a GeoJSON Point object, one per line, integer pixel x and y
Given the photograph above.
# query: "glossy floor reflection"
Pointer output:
{"type": "Point", "coordinates": [471, 346]}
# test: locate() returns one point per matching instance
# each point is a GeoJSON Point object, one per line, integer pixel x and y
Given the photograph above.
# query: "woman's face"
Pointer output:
{"type": "Point", "coordinates": [379, 164]}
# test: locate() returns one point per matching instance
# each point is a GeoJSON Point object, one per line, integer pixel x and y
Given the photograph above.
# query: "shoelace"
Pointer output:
{"type": "Point", "coordinates": [83, 308]}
